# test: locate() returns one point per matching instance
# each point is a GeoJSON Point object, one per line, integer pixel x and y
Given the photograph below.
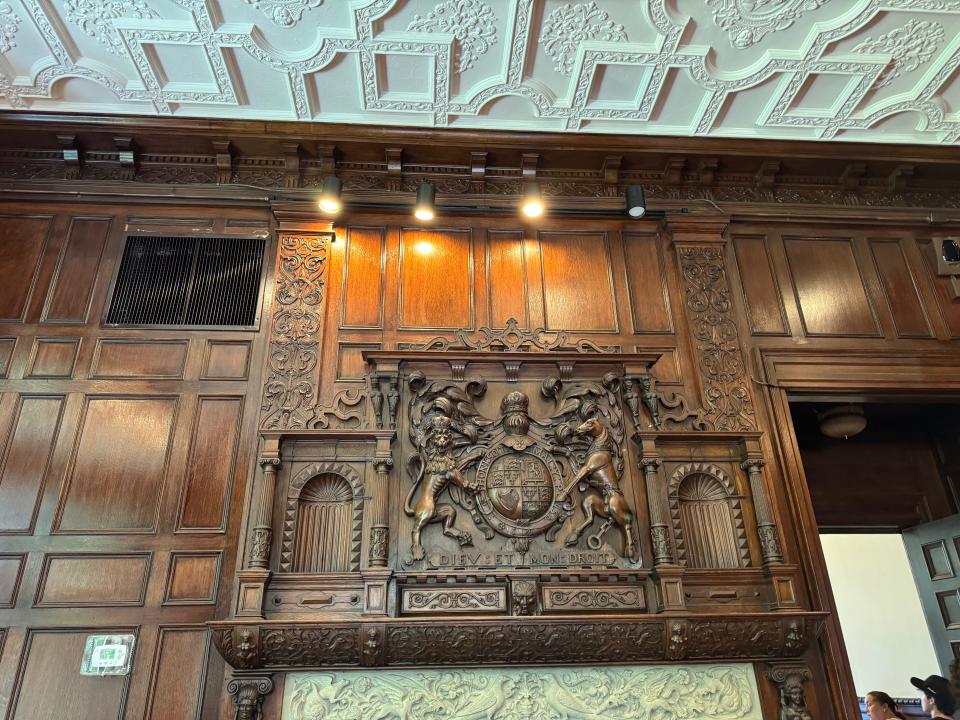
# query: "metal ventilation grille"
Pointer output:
{"type": "Point", "coordinates": [188, 281]}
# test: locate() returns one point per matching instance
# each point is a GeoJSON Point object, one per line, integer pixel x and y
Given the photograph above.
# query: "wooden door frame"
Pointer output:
{"type": "Point", "coordinates": [854, 372]}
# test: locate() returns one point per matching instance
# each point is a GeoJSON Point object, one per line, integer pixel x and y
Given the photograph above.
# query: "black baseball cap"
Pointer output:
{"type": "Point", "coordinates": [938, 689]}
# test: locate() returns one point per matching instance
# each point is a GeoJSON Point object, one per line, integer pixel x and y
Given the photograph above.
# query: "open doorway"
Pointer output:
{"type": "Point", "coordinates": [886, 503]}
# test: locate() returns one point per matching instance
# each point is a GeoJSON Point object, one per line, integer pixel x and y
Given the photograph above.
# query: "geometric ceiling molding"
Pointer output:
{"type": "Point", "coordinates": [856, 70]}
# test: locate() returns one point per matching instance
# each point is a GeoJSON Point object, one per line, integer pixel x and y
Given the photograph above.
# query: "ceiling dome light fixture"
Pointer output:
{"type": "Point", "coordinates": [636, 202]}
{"type": "Point", "coordinates": [426, 195]}
{"type": "Point", "coordinates": [532, 203]}
{"type": "Point", "coordinates": [330, 195]}
{"type": "Point", "coordinates": [843, 421]}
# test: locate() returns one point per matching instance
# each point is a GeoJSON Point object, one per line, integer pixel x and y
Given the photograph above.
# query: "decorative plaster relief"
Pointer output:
{"type": "Point", "coordinates": [910, 46]}
{"type": "Point", "coordinates": [704, 692]}
{"type": "Point", "coordinates": [471, 22]}
{"type": "Point", "coordinates": [285, 13]}
{"type": "Point", "coordinates": [569, 25]}
{"type": "Point", "coordinates": [9, 24]}
{"type": "Point", "coordinates": [747, 22]}
{"type": "Point", "coordinates": [95, 18]}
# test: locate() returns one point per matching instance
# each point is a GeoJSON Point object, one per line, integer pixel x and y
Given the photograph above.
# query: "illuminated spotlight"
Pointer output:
{"type": "Point", "coordinates": [426, 194]}
{"type": "Point", "coordinates": [636, 203]}
{"type": "Point", "coordinates": [532, 203]}
{"type": "Point", "coordinates": [330, 195]}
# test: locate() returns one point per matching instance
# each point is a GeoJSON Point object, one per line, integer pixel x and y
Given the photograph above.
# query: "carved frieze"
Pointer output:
{"type": "Point", "coordinates": [456, 599]}
{"type": "Point", "coordinates": [564, 597]}
{"type": "Point", "coordinates": [507, 641]}
{"type": "Point", "coordinates": [728, 404]}
{"type": "Point", "coordinates": [289, 392]}
{"type": "Point", "coordinates": [512, 338]}
{"type": "Point", "coordinates": [723, 692]}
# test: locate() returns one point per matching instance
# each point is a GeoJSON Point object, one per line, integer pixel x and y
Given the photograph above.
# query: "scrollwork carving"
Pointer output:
{"type": "Point", "coordinates": [346, 410]}
{"type": "Point", "coordinates": [289, 390]}
{"type": "Point", "coordinates": [513, 338]}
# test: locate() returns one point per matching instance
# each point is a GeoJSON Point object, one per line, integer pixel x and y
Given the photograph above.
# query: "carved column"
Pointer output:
{"type": "Point", "coordinates": [261, 537]}
{"type": "Point", "coordinates": [790, 679]}
{"type": "Point", "coordinates": [766, 527]}
{"type": "Point", "coordinates": [656, 498]}
{"type": "Point", "coordinates": [248, 692]}
{"type": "Point", "coordinates": [379, 525]}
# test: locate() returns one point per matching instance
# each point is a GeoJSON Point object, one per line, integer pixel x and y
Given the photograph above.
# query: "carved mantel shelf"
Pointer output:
{"type": "Point", "coordinates": [401, 642]}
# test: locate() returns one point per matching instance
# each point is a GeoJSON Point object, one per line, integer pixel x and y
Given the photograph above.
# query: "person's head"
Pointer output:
{"type": "Point", "coordinates": [881, 706]}
{"type": "Point", "coordinates": [936, 694]}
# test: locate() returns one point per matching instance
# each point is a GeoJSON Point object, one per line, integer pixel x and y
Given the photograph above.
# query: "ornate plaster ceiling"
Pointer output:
{"type": "Point", "coordinates": [865, 70]}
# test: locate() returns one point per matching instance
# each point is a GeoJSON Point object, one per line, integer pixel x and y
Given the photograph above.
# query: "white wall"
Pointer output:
{"type": "Point", "coordinates": [880, 614]}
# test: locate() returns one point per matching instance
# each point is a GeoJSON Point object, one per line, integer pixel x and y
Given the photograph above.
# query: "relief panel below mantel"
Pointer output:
{"type": "Point", "coordinates": [708, 692]}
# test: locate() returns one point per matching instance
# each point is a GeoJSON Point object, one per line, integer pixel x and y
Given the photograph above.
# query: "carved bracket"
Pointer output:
{"type": "Point", "coordinates": [248, 693]}
{"type": "Point", "coordinates": [791, 679]}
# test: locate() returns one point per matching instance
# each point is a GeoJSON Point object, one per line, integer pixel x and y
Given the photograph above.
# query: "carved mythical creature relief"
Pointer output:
{"type": "Point", "coordinates": [513, 474]}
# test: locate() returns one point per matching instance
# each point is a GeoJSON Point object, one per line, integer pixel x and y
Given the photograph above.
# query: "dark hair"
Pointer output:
{"type": "Point", "coordinates": [887, 702]}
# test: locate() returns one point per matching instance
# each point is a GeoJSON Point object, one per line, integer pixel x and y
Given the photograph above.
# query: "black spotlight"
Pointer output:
{"type": "Point", "coordinates": [330, 195]}
{"type": "Point", "coordinates": [950, 250]}
{"type": "Point", "coordinates": [636, 202]}
{"type": "Point", "coordinates": [426, 196]}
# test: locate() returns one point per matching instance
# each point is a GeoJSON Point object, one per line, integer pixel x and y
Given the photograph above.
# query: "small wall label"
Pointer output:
{"type": "Point", "coordinates": [107, 655]}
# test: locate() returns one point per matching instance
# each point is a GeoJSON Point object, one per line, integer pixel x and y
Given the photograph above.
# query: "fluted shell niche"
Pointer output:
{"type": "Point", "coordinates": [706, 692]}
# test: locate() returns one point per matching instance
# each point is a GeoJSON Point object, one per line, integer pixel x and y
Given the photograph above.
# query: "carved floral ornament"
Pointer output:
{"type": "Point", "coordinates": [550, 60]}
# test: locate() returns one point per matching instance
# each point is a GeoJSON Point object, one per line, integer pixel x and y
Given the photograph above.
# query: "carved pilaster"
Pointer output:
{"type": "Point", "coordinates": [790, 679]}
{"type": "Point", "coordinates": [289, 391]}
{"type": "Point", "coordinates": [728, 404]}
{"type": "Point", "coordinates": [766, 527]}
{"type": "Point", "coordinates": [656, 500]}
{"type": "Point", "coordinates": [248, 693]}
{"type": "Point", "coordinates": [379, 526]}
{"type": "Point", "coordinates": [261, 536]}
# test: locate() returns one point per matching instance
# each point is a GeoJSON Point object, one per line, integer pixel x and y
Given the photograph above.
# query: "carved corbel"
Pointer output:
{"type": "Point", "coordinates": [71, 156]}
{"type": "Point", "coordinates": [524, 594]}
{"type": "Point", "coordinates": [611, 175]}
{"type": "Point", "coordinates": [766, 176]}
{"type": "Point", "coordinates": [852, 175]}
{"type": "Point", "coordinates": [248, 693]}
{"type": "Point", "coordinates": [394, 157]}
{"type": "Point", "coordinates": [224, 157]}
{"type": "Point", "coordinates": [673, 171]}
{"type": "Point", "coordinates": [528, 166]}
{"type": "Point", "coordinates": [791, 679]}
{"type": "Point", "coordinates": [126, 156]}
{"type": "Point", "coordinates": [291, 165]}
{"type": "Point", "coordinates": [899, 178]}
{"type": "Point", "coordinates": [478, 172]}
{"type": "Point", "coordinates": [328, 165]}
{"type": "Point", "coordinates": [707, 171]}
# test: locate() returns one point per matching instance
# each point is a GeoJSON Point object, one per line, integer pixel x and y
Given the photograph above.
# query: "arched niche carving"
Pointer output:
{"type": "Point", "coordinates": [707, 518]}
{"type": "Point", "coordinates": [321, 484]}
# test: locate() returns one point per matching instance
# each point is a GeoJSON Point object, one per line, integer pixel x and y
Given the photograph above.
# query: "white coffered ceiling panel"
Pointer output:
{"type": "Point", "coordinates": [868, 70]}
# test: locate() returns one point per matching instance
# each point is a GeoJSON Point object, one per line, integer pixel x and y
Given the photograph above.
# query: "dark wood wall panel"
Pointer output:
{"type": "Point", "coordinates": [192, 578]}
{"type": "Point", "coordinates": [210, 467]}
{"type": "Point", "coordinates": [226, 360]}
{"type": "Point", "coordinates": [948, 307]}
{"type": "Point", "coordinates": [763, 299]}
{"type": "Point", "coordinates": [436, 279]}
{"type": "Point", "coordinates": [50, 685]}
{"type": "Point", "coordinates": [577, 282]}
{"type": "Point", "coordinates": [72, 287]}
{"type": "Point", "coordinates": [900, 289]}
{"type": "Point", "coordinates": [24, 239]}
{"type": "Point", "coordinates": [92, 579]}
{"type": "Point", "coordinates": [507, 278]}
{"type": "Point", "coordinates": [140, 359]}
{"type": "Point", "coordinates": [647, 284]}
{"type": "Point", "coordinates": [11, 570]}
{"type": "Point", "coordinates": [179, 671]}
{"type": "Point", "coordinates": [110, 491]}
{"type": "Point", "coordinates": [362, 297]}
{"type": "Point", "coordinates": [7, 346]}
{"type": "Point", "coordinates": [26, 458]}
{"type": "Point", "coordinates": [830, 291]}
{"type": "Point", "coordinates": [53, 357]}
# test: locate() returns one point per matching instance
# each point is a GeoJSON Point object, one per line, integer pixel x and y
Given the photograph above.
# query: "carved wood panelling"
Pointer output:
{"type": "Point", "coordinates": [26, 458]}
{"type": "Point", "coordinates": [437, 279]}
{"type": "Point", "coordinates": [763, 300]}
{"type": "Point", "coordinates": [508, 294]}
{"type": "Point", "coordinates": [116, 358]}
{"type": "Point", "coordinates": [192, 578]}
{"type": "Point", "coordinates": [362, 298]}
{"type": "Point", "coordinates": [900, 289]}
{"type": "Point", "coordinates": [7, 346]}
{"type": "Point", "coordinates": [290, 387]}
{"type": "Point", "coordinates": [56, 653]}
{"type": "Point", "coordinates": [647, 283]}
{"type": "Point", "coordinates": [71, 290]}
{"type": "Point", "coordinates": [93, 580]}
{"type": "Point", "coordinates": [112, 492]}
{"type": "Point", "coordinates": [845, 310]}
{"type": "Point", "coordinates": [53, 357]}
{"type": "Point", "coordinates": [11, 572]}
{"type": "Point", "coordinates": [226, 360]}
{"type": "Point", "coordinates": [577, 273]}
{"type": "Point", "coordinates": [350, 363]}
{"type": "Point", "coordinates": [210, 464]}
{"type": "Point", "coordinates": [25, 240]}
{"type": "Point", "coordinates": [179, 673]}
{"type": "Point", "coordinates": [477, 599]}
{"type": "Point", "coordinates": [728, 404]}
{"type": "Point", "coordinates": [948, 307]}
{"type": "Point", "coordinates": [324, 510]}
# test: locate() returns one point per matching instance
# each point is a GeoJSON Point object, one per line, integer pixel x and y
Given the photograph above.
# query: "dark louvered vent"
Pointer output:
{"type": "Point", "coordinates": [188, 281]}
